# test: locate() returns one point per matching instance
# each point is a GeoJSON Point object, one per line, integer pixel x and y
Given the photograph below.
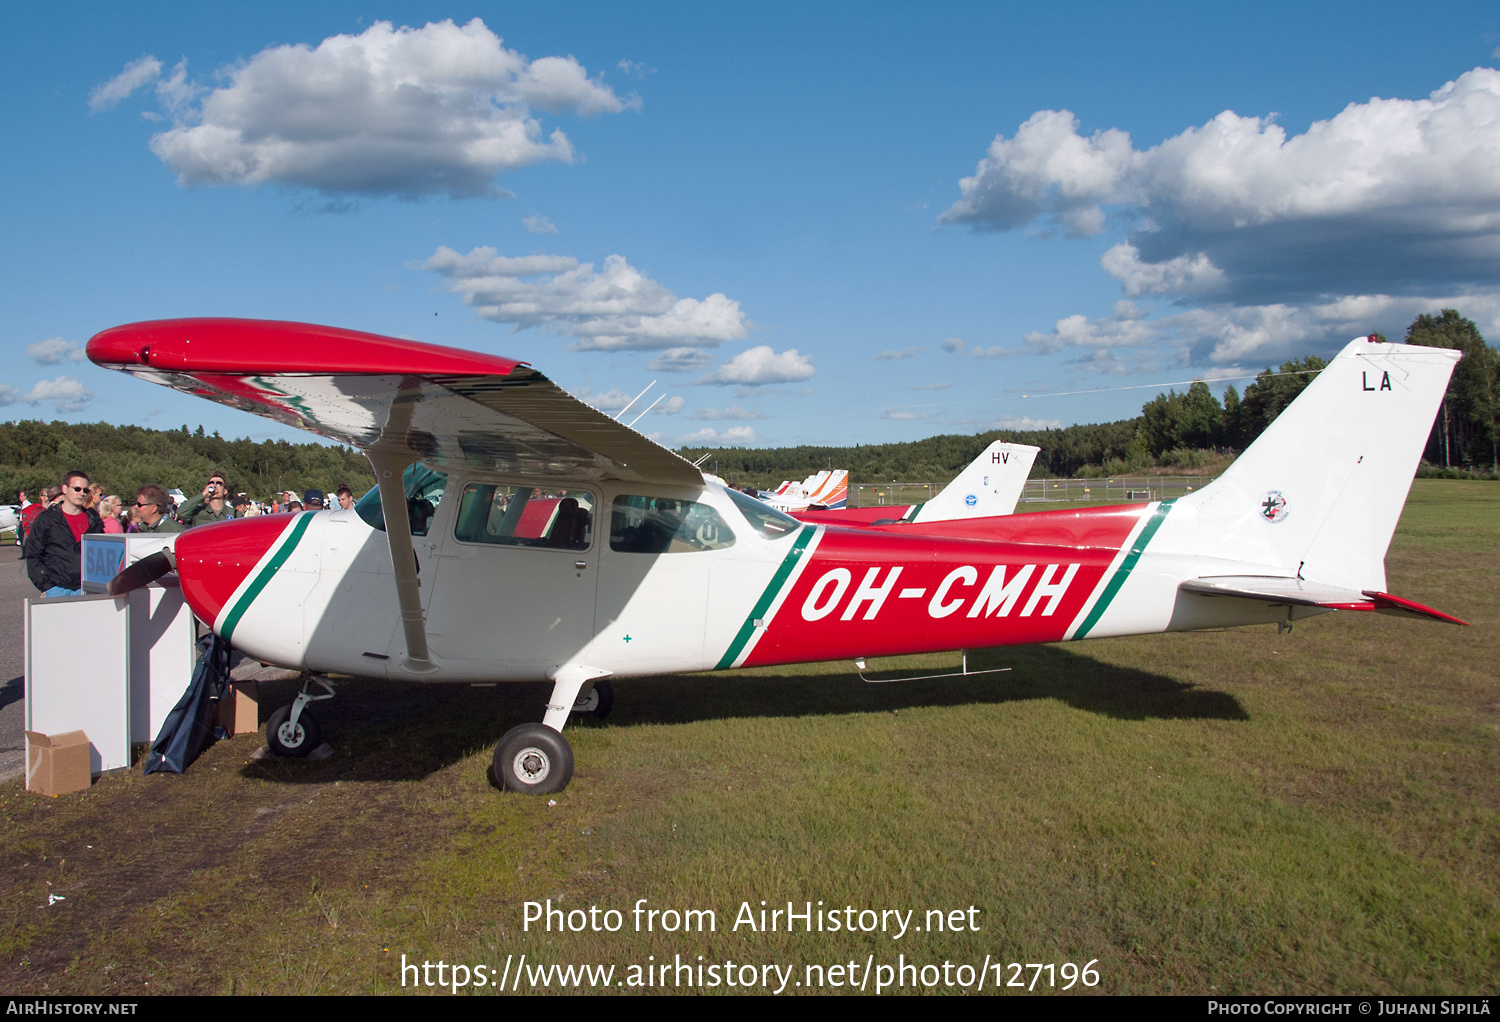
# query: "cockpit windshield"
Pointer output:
{"type": "Point", "coordinates": [424, 491]}
{"type": "Point", "coordinates": [766, 520]}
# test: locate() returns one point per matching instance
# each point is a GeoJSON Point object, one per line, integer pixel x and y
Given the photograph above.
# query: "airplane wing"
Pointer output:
{"type": "Point", "coordinates": [447, 406]}
{"type": "Point", "coordinates": [1296, 591]}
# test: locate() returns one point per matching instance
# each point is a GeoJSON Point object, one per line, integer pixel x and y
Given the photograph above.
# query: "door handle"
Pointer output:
{"type": "Point", "coordinates": [580, 565]}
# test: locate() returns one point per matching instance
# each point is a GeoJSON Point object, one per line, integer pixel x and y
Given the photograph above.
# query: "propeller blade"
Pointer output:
{"type": "Point", "coordinates": [142, 573]}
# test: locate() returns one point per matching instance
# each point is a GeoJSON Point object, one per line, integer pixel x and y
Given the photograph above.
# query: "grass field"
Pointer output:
{"type": "Point", "coordinates": [1238, 812]}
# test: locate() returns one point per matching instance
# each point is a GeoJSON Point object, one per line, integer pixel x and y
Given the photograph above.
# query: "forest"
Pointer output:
{"type": "Point", "coordinates": [1186, 431]}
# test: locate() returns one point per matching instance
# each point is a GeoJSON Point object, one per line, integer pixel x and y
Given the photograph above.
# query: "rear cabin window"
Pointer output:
{"type": "Point", "coordinates": [665, 525]}
{"type": "Point", "coordinates": [525, 516]}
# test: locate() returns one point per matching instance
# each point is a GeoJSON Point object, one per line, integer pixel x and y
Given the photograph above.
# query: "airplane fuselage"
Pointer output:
{"type": "Point", "coordinates": [313, 591]}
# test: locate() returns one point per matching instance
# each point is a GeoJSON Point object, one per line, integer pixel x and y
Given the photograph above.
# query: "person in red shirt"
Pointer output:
{"type": "Point", "coordinates": [30, 510]}
{"type": "Point", "coordinates": [54, 545]}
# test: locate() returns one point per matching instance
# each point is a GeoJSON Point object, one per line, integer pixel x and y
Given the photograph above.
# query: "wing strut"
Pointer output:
{"type": "Point", "coordinates": [389, 456]}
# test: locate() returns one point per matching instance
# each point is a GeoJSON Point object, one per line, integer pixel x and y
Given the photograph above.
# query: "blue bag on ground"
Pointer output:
{"type": "Point", "coordinates": [190, 725]}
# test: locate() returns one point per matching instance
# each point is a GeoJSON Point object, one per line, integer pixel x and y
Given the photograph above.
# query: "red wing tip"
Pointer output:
{"type": "Point", "coordinates": [1385, 601]}
{"type": "Point", "coordinates": [119, 345]}
{"type": "Point", "coordinates": [257, 346]}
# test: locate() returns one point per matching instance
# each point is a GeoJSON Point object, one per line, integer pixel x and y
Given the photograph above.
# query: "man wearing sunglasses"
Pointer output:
{"type": "Point", "coordinates": [152, 511]}
{"type": "Point", "coordinates": [209, 506]}
{"type": "Point", "coordinates": [54, 546]}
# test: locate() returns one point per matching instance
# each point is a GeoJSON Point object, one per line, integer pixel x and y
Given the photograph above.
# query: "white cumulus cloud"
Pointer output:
{"type": "Point", "coordinates": [760, 365]}
{"type": "Point", "coordinates": [1016, 422]}
{"type": "Point", "coordinates": [996, 351]}
{"type": "Point", "coordinates": [886, 356]}
{"type": "Point", "coordinates": [538, 224]}
{"type": "Point", "coordinates": [1127, 327]}
{"type": "Point", "coordinates": [610, 401]}
{"type": "Point", "coordinates": [66, 394]}
{"type": "Point", "coordinates": [732, 412]}
{"type": "Point", "coordinates": [681, 360]}
{"type": "Point", "coordinates": [1286, 242]}
{"type": "Point", "coordinates": [733, 436]}
{"type": "Point", "coordinates": [136, 74]}
{"type": "Point", "coordinates": [672, 405]}
{"type": "Point", "coordinates": [1184, 274]}
{"type": "Point", "coordinates": [614, 309]}
{"type": "Point", "coordinates": [1396, 193]}
{"type": "Point", "coordinates": [54, 351]}
{"type": "Point", "coordinates": [437, 110]}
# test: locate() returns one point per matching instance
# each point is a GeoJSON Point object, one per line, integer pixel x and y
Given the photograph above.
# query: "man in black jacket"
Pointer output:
{"type": "Point", "coordinates": [54, 546]}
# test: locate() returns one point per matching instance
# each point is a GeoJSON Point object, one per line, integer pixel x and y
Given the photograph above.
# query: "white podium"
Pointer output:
{"type": "Point", "coordinates": [112, 667]}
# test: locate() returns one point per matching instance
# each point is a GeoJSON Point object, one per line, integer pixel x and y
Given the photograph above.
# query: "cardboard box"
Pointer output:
{"type": "Point", "coordinates": [239, 710]}
{"type": "Point", "coordinates": [56, 764]}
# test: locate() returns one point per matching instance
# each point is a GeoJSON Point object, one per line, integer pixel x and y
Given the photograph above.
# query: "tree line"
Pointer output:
{"type": "Point", "coordinates": [35, 454]}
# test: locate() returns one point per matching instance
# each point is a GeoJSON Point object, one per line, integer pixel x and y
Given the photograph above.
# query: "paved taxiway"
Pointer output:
{"type": "Point", "coordinates": [14, 588]}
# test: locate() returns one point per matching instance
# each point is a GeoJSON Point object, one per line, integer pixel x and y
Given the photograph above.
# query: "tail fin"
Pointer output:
{"type": "Point", "coordinates": [989, 486]}
{"type": "Point", "coordinates": [1318, 494]}
{"type": "Point", "coordinates": [831, 490]}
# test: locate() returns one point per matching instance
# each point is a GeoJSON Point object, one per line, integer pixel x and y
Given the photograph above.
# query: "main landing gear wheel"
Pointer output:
{"type": "Point", "coordinates": [598, 702]}
{"type": "Point", "coordinates": [535, 759]}
{"type": "Point", "coordinates": [293, 740]}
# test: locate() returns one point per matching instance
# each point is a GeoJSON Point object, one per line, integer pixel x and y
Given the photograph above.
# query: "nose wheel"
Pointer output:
{"type": "Point", "coordinates": [292, 738]}
{"type": "Point", "coordinates": [292, 731]}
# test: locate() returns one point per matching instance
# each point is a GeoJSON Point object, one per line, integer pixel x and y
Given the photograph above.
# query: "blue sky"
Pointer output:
{"type": "Point", "coordinates": [832, 223]}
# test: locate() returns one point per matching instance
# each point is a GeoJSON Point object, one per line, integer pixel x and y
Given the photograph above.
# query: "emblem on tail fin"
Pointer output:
{"type": "Point", "coordinates": [1273, 507]}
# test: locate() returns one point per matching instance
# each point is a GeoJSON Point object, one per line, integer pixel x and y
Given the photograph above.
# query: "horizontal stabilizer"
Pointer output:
{"type": "Point", "coordinates": [1302, 593]}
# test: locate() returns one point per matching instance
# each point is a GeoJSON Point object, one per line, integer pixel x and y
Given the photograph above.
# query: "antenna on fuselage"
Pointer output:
{"type": "Point", "coordinates": [633, 400]}
{"type": "Point", "coordinates": [701, 460]}
{"type": "Point", "coordinates": [638, 418]}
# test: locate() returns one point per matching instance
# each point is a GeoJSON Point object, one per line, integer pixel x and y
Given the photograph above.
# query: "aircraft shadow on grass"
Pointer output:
{"type": "Point", "coordinates": [384, 731]}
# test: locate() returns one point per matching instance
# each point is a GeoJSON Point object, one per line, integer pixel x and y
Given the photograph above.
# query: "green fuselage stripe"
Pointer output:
{"type": "Point", "coordinates": [264, 578]}
{"type": "Point", "coordinates": [1123, 572]}
{"type": "Point", "coordinates": [763, 605]}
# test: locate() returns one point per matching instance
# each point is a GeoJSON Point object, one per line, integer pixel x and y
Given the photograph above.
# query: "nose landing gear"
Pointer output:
{"type": "Point", "coordinates": [293, 732]}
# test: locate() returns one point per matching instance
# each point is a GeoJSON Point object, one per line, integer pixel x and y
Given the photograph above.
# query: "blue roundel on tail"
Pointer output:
{"type": "Point", "coordinates": [971, 500]}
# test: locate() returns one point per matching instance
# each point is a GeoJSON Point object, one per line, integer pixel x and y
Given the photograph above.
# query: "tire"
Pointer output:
{"type": "Point", "coordinates": [599, 702]}
{"type": "Point", "coordinates": [293, 742]}
{"type": "Point", "coordinates": [533, 759]}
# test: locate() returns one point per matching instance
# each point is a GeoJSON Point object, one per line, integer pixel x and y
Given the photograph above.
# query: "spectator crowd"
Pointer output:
{"type": "Point", "coordinates": [51, 530]}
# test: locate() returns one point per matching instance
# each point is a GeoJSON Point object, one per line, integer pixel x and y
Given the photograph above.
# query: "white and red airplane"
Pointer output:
{"type": "Point", "coordinates": [827, 490]}
{"type": "Point", "coordinates": [537, 538]}
{"type": "Point", "coordinates": [989, 486]}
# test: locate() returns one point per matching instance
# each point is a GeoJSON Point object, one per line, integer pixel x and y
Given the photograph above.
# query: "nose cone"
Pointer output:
{"type": "Point", "coordinates": [223, 566]}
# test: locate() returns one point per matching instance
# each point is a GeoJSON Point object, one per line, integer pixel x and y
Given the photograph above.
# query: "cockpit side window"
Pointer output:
{"type": "Point", "coordinates": [424, 491]}
{"type": "Point", "coordinates": [666, 525]}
